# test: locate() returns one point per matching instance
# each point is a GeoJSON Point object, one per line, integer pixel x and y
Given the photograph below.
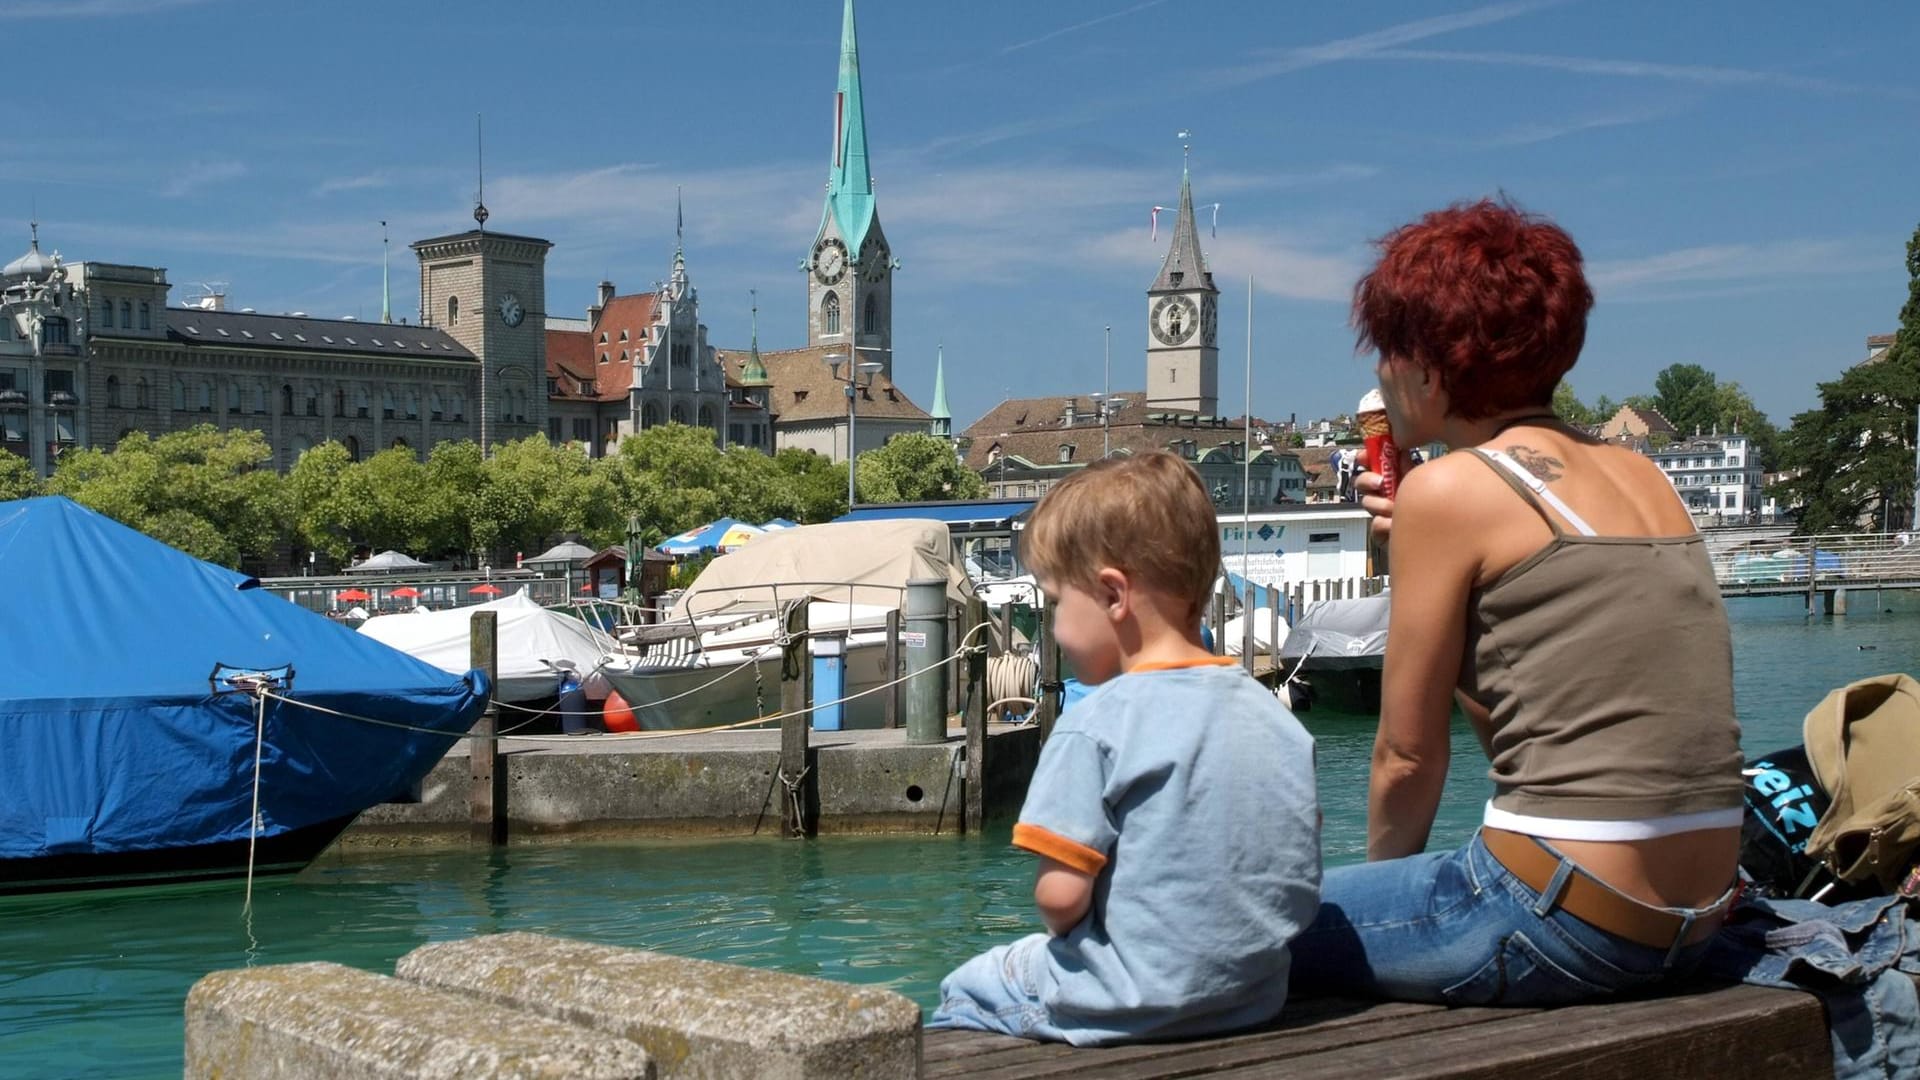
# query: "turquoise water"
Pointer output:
{"type": "Point", "coordinates": [92, 984]}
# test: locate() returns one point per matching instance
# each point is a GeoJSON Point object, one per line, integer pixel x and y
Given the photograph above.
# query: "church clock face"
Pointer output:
{"type": "Point", "coordinates": [874, 260]}
{"type": "Point", "coordinates": [1174, 320]}
{"type": "Point", "coordinates": [511, 311]}
{"type": "Point", "coordinates": [1209, 321]}
{"type": "Point", "coordinates": [829, 261]}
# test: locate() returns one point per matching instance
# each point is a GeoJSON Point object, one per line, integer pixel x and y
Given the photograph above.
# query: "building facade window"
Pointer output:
{"type": "Point", "coordinates": [106, 314]}
{"type": "Point", "coordinates": [453, 311]}
{"type": "Point", "coordinates": [413, 405]}
{"type": "Point", "coordinates": [286, 399]}
{"type": "Point", "coordinates": [433, 405]}
{"type": "Point", "coordinates": [113, 391]}
{"type": "Point", "coordinates": [142, 395]}
{"type": "Point", "coordinates": [830, 314]}
{"type": "Point", "coordinates": [706, 416]}
{"type": "Point", "coordinates": [386, 404]}
{"type": "Point", "coordinates": [53, 331]}
{"type": "Point", "coordinates": [126, 314]}
{"type": "Point", "coordinates": [146, 315]}
{"type": "Point", "coordinates": [649, 415]}
{"type": "Point", "coordinates": [870, 316]}
{"type": "Point", "coordinates": [583, 429]}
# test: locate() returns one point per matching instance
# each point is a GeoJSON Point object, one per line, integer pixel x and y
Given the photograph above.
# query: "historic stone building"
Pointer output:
{"type": "Point", "coordinates": [96, 353]}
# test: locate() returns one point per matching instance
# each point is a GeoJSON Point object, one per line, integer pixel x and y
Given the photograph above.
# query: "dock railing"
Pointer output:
{"type": "Point", "coordinates": [1860, 561]}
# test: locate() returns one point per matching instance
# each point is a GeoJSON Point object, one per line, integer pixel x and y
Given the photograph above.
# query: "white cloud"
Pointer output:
{"type": "Point", "coordinates": [92, 9]}
{"type": "Point", "coordinates": [1753, 266]}
{"type": "Point", "coordinates": [1282, 263]}
{"type": "Point", "coordinates": [1065, 30]}
{"type": "Point", "coordinates": [187, 179]}
{"type": "Point", "coordinates": [1699, 74]}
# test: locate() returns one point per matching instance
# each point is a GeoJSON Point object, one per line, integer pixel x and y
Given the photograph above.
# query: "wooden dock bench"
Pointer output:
{"type": "Point", "coordinates": [1707, 1031]}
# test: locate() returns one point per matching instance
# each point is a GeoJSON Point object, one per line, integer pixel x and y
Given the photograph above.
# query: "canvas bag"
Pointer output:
{"type": "Point", "coordinates": [1864, 743]}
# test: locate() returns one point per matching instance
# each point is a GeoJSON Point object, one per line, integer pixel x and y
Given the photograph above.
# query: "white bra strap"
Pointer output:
{"type": "Point", "coordinates": [1539, 487]}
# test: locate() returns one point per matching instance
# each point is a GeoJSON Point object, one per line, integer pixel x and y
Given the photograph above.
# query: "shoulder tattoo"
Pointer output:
{"type": "Point", "coordinates": [1544, 466]}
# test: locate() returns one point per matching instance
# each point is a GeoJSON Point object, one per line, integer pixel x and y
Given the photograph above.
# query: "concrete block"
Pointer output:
{"type": "Point", "coordinates": [696, 1018]}
{"type": "Point", "coordinates": [328, 1022]}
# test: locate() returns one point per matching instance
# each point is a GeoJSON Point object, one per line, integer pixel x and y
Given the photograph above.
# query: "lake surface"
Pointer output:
{"type": "Point", "coordinates": [92, 984]}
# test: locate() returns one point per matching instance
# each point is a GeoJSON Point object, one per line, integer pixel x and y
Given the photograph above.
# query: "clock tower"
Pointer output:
{"type": "Point", "coordinates": [1183, 321]}
{"type": "Point", "coordinates": [488, 291]}
{"type": "Point", "coordinates": [850, 266]}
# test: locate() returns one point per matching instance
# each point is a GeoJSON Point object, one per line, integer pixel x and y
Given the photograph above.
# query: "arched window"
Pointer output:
{"type": "Point", "coordinates": [179, 393]}
{"type": "Point", "coordinates": [313, 402]}
{"type": "Point", "coordinates": [453, 311]}
{"type": "Point", "coordinates": [679, 414]}
{"type": "Point", "coordinates": [830, 314]}
{"type": "Point", "coordinates": [142, 397]}
{"type": "Point", "coordinates": [506, 405]}
{"type": "Point", "coordinates": [233, 396]}
{"type": "Point", "coordinates": [433, 405]}
{"type": "Point", "coordinates": [459, 406]}
{"type": "Point", "coordinates": [286, 399]}
{"type": "Point", "coordinates": [706, 416]}
{"type": "Point", "coordinates": [353, 448]}
{"type": "Point", "coordinates": [126, 314]}
{"type": "Point", "coordinates": [106, 314]}
{"type": "Point", "coordinates": [520, 405]}
{"type": "Point", "coordinates": [361, 403]}
{"type": "Point", "coordinates": [260, 396]}
{"type": "Point", "coordinates": [205, 400]}
{"type": "Point", "coordinates": [386, 404]}
{"type": "Point", "coordinates": [113, 391]}
{"type": "Point", "coordinates": [870, 315]}
{"type": "Point", "coordinates": [400, 440]}
{"type": "Point", "coordinates": [146, 315]}
{"type": "Point", "coordinates": [339, 401]}
{"type": "Point", "coordinates": [649, 415]}
{"type": "Point", "coordinates": [413, 405]}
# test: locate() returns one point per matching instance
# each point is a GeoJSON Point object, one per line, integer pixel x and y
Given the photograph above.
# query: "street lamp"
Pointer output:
{"type": "Point", "coordinates": [1108, 405]}
{"type": "Point", "coordinates": [853, 375]}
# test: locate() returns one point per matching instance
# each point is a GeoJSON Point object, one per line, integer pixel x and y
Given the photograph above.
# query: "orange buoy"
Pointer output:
{"type": "Point", "coordinates": [618, 715]}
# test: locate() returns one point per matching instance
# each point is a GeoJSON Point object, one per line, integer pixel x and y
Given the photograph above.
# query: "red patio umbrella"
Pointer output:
{"type": "Point", "coordinates": [488, 589]}
{"type": "Point", "coordinates": [404, 591]}
{"type": "Point", "coordinates": [352, 594]}
{"type": "Point", "coordinates": [587, 588]}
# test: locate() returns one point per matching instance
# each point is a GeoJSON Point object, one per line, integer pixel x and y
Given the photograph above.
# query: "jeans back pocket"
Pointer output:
{"type": "Point", "coordinates": [1520, 974]}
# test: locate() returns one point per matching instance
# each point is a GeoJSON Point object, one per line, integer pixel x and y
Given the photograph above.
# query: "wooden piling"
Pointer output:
{"type": "Point", "coordinates": [892, 667]}
{"type": "Point", "coordinates": [795, 785]}
{"type": "Point", "coordinates": [976, 718]}
{"type": "Point", "coordinates": [1048, 708]}
{"type": "Point", "coordinates": [486, 773]}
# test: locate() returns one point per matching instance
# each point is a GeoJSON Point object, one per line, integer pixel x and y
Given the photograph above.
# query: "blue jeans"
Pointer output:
{"type": "Point", "coordinates": [1001, 990]}
{"type": "Point", "coordinates": [1458, 928]}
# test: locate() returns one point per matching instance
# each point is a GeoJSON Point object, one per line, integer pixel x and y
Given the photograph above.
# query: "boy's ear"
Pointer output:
{"type": "Point", "coordinates": [1115, 592]}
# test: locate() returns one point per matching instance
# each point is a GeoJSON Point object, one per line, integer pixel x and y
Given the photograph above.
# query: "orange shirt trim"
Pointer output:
{"type": "Point", "coordinates": [1071, 853]}
{"type": "Point", "coordinates": [1174, 665]}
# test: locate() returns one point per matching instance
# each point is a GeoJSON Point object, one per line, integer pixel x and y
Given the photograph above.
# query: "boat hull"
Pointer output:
{"type": "Point", "coordinates": [283, 853]}
{"type": "Point", "coordinates": [679, 698]}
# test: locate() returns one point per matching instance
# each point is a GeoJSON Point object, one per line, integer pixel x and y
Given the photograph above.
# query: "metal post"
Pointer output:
{"type": "Point", "coordinates": [976, 720]}
{"type": "Point", "coordinates": [892, 667]}
{"type": "Point", "coordinates": [1246, 631]}
{"type": "Point", "coordinates": [1810, 591]}
{"type": "Point", "coordinates": [925, 643]}
{"type": "Point", "coordinates": [1048, 707]}
{"type": "Point", "coordinates": [793, 786]}
{"type": "Point", "coordinates": [852, 360]}
{"type": "Point", "coordinates": [1273, 630]}
{"type": "Point", "coordinates": [486, 773]}
{"type": "Point", "coordinates": [1219, 621]}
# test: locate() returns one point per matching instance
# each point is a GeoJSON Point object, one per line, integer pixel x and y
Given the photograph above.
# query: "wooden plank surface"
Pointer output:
{"type": "Point", "coordinates": [1698, 1032]}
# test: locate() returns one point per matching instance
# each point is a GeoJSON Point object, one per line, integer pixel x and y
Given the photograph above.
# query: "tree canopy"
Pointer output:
{"type": "Point", "coordinates": [1853, 457]}
{"type": "Point", "coordinates": [16, 478]}
{"type": "Point", "coordinates": [915, 468]}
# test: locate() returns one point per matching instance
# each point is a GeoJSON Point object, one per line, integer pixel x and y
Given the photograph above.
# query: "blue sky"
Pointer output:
{"type": "Point", "coordinates": [1740, 175]}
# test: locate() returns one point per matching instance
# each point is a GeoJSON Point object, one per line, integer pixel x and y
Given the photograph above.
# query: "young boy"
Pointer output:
{"type": "Point", "coordinates": [1173, 808]}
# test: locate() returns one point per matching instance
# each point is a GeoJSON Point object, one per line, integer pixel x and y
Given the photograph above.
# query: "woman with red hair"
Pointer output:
{"type": "Point", "coordinates": [1556, 587]}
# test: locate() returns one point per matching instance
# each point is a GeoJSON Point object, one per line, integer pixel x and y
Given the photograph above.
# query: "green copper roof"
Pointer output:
{"type": "Point", "coordinates": [849, 187]}
{"type": "Point", "coordinates": [754, 372]}
{"type": "Point", "coordinates": [940, 410]}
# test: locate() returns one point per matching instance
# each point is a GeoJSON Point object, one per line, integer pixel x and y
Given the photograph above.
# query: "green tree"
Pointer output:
{"type": "Point", "coordinates": [1687, 395]}
{"type": "Point", "coordinates": [534, 492]}
{"type": "Point", "coordinates": [819, 487]}
{"type": "Point", "coordinates": [915, 468]}
{"type": "Point", "coordinates": [210, 493]}
{"type": "Point", "coordinates": [1568, 407]}
{"type": "Point", "coordinates": [669, 478]}
{"type": "Point", "coordinates": [16, 478]}
{"type": "Point", "coordinates": [1853, 457]}
{"type": "Point", "coordinates": [456, 474]}
{"type": "Point", "coordinates": [311, 485]}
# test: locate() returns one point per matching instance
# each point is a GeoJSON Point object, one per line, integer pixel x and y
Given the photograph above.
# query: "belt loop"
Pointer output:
{"type": "Point", "coordinates": [1679, 940]}
{"type": "Point", "coordinates": [1556, 887]}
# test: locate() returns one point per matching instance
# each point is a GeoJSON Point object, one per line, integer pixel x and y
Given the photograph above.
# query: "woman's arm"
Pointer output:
{"type": "Point", "coordinates": [1435, 557]}
{"type": "Point", "coordinates": [1063, 895]}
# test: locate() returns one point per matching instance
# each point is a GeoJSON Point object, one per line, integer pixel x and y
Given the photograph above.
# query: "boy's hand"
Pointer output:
{"type": "Point", "coordinates": [1063, 895]}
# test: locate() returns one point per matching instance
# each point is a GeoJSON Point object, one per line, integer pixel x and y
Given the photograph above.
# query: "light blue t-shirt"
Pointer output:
{"type": "Point", "coordinates": [1191, 792]}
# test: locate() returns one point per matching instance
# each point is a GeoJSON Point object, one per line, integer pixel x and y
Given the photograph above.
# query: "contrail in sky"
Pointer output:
{"type": "Point", "coordinates": [1080, 26]}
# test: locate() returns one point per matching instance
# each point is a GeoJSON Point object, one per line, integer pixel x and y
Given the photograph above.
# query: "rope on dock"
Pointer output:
{"type": "Point", "coordinates": [961, 651]}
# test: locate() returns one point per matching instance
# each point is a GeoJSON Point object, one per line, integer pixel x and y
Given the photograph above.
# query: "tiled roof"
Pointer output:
{"type": "Point", "coordinates": [1631, 421]}
{"type": "Point", "coordinates": [1880, 341]}
{"type": "Point", "coordinates": [1034, 429]}
{"type": "Point", "coordinates": [631, 315]}
{"type": "Point", "coordinates": [249, 330]}
{"type": "Point", "coordinates": [803, 386]}
{"type": "Point", "coordinates": [570, 363]}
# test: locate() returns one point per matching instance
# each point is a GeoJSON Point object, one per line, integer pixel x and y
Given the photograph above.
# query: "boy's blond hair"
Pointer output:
{"type": "Point", "coordinates": [1147, 515]}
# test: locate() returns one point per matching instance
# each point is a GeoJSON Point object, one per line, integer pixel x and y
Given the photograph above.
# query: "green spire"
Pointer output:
{"type": "Point", "coordinates": [942, 416]}
{"type": "Point", "coordinates": [849, 186]}
{"type": "Point", "coordinates": [753, 372]}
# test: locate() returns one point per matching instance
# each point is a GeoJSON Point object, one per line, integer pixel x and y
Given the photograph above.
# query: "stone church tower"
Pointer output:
{"type": "Point", "coordinates": [1183, 321]}
{"type": "Point", "coordinates": [850, 267]}
{"type": "Point", "coordinates": [488, 291]}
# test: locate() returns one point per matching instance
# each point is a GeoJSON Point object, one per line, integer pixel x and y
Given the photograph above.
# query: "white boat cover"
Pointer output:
{"type": "Point", "coordinates": [877, 558]}
{"type": "Point", "coordinates": [391, 560]}
{"type": "Point", "coordinates": [1341, 633]}
{"type": "Point", "coordinates": [531, 640]}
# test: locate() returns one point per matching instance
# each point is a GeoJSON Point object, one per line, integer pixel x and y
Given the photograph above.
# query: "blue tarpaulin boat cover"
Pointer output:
{"type": "Point", "coordinates": [120, 731]}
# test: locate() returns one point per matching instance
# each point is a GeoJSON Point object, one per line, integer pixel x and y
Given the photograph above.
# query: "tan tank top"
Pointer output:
{"type": "Point", "coordinates": [1607, 667]}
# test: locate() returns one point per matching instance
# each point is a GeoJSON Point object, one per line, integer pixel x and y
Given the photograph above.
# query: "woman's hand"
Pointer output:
{"type": "Point", "coordinates": [1371, 487]}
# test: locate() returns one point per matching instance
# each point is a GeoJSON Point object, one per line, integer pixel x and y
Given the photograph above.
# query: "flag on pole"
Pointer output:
{"type": "Point", "coordinates": [1156, 222]}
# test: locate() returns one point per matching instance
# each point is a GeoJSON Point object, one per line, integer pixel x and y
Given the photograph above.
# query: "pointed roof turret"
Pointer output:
{"type": "Point", "coordinates": [754, 371]}
{"type": "Point", "coordinates": [678, 278]}
{"type": "Point", "coordinates": [1186, 264]}
{"type": "Point", "coordinates": [942, 416]}
{"type": "Point", "coordinates": [849, 185]}
{"type": "Point", "coordinates": [34, 264]}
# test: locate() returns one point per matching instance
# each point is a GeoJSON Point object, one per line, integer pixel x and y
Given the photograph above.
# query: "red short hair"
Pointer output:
{"type": "Point", "coordinates": [1486, 295]}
